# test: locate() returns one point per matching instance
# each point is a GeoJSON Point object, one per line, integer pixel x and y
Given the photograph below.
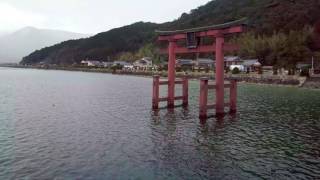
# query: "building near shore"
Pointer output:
{"type": "Point", "coordinates": [189, 63]}
{"type": "Point", "coordinates": [143, 64]}
{"type": "Point", "coordinates": [303, 65]}
{"type": "Point", "coordinates": [232, 60]}
{"type": "Point", "coordinates": [205, 63]}
{"type": "Point", "coordinates": [95, 63]}
{"type": "Point", "coordinates": [91, 63]}
{"type": "Point", "coordinates": [107, 64]}
{"type": "Point", "coordinates": [251, 65]}
{"type": "Point", "coordinates": [120, 63]}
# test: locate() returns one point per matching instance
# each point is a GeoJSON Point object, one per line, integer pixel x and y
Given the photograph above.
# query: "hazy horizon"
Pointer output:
{"type": "Point", "coordinates": [88, 17]}
{"type": "Point", "coordinates": [15, 45]}
{"type": "Point", "coordinates": [6, 33]}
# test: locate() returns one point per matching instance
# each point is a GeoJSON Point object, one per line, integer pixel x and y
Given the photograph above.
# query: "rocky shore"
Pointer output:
{"type": "Point", "coordinates": [312, 83]}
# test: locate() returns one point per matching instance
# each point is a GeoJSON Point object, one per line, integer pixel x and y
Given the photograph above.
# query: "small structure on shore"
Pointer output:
{"type": "Point", "coordinates": [251, 65]}
{"type": "Point", "coordinates": [192, 37]}
{"type": "Point", "coordinates": [232, 60]}
{"type": "Point", "coordinates": [91, 63]}
{"type": "Point", "coordinates": [185, 63]}
{"type": "Point", "coordinates": [143, 64]}
{"type": "Point", "coordinates": [94, 63]}
{"type": "Point", "coordinates": [205, 63]}
{"type": "Point", "coordinates": [120, 63]}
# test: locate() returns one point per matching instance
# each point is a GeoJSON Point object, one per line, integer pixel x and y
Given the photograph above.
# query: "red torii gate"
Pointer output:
{"type": "Point", "coordinates": [192, 37]}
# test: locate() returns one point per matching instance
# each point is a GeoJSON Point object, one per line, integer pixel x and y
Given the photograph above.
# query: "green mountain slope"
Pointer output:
{"type": "Point", "coordinates": [264, 16]}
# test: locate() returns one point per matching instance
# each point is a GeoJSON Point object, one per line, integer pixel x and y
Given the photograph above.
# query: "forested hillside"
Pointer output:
{"type": "Point", "coordinates": [267, 19]}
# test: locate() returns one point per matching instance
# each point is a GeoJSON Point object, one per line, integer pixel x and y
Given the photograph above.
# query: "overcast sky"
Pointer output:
{"type": "Point", "coordinates": [89, 16]}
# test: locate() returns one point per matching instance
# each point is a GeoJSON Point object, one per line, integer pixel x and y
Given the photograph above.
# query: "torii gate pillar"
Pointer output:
{"type": "Point", "coordinates": [219, 75]}
{"type": "Point", "coordinates": [171, 73]}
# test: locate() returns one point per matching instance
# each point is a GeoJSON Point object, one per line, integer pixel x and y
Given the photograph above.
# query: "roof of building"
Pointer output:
{"type": "Point", "coordinates": [143, 61]}
{"type": "Point", "coordinates": [205, 61]}
{"type": "Point", "coordinates": [267, 67]}
{"type": "Point", "coordinates": [147, 58]}
{"type": "Point", "coordinates": [94, 62]}
{"type": "Point", "coordinates": [303, 65]}
{"type": "Point", "coordinates": [121, 62]}
{"type": "Point", "coordinates": [250, 62]}
{"type": "Point", "coordinates": [185, 61]}
{"type": "Point", "coordinates": [239, 22]}
{"type": "Point", "coordinates": [232, 58]}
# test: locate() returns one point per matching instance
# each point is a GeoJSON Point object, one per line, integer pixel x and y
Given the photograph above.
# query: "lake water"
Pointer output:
{"type": "Point", "coordinates": [75, 125]}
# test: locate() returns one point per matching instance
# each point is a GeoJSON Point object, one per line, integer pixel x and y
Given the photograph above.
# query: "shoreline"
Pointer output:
{"type": "Point", "coordinates": [276, 80]}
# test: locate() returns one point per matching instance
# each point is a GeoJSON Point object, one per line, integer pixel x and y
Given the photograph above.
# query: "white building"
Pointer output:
{"type": "Point", "coordinates": [240, 67]}
{"type": "Point", "coordinates": [120, 63]}
{"type": "Point", "coordinates": [232, 60]}
{"type": "Point", "coordinates": [107, 64]}
{"type": "Point", "coordinates": [92, 63]}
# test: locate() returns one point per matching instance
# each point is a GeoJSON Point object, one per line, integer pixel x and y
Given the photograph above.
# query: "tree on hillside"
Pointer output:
{"type": "Point", "coordinates": [276, 43]}
{"type": "Point", "coordinates": [128, 57]}
{"type": "Point", "coordinates": [314, 38]}
{"type": "Point", "coordinates": [295, 49]}
{"type": "Point", "coordinates": [253, 46]}
{"type": "Point", "coordinates": [279, 49]}
{"type": "Point", "coordinates": [147, 51]}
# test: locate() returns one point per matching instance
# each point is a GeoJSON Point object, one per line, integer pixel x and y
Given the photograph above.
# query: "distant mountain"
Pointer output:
{"type": "Point", "coordinates": [264, 17]}
{"type": "Point", "coordinates": [16, 45]}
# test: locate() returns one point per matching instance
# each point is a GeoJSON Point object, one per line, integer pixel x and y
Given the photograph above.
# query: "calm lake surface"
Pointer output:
{"type": "Point", "coordinates": [75, 125]}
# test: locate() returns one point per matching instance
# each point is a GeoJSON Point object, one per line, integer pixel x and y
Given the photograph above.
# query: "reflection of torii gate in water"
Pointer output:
{"type": "Point", "coordinates": [192, 37]}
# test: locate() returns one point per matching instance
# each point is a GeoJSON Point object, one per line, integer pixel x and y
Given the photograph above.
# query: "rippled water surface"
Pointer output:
{"type": "Point", "coordinates": [75, 125]}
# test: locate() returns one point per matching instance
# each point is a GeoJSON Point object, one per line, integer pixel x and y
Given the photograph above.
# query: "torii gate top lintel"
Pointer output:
{"type": "Point", "coordinates": [213, 30]}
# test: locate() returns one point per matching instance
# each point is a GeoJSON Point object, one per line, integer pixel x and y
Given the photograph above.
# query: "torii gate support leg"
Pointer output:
{"type": "Point", "coordinates": [155, 94]}
{"type": "Point", "coordinates": [233, 96]}
{"type": "Point", "coordinates": [171, 73]}
{"type": "Point", "coordinates": [203, 100]}
{"type": "Point", "coordinates": [219, 75]}
{"type": "Point", "coordinates": [185, 92]}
